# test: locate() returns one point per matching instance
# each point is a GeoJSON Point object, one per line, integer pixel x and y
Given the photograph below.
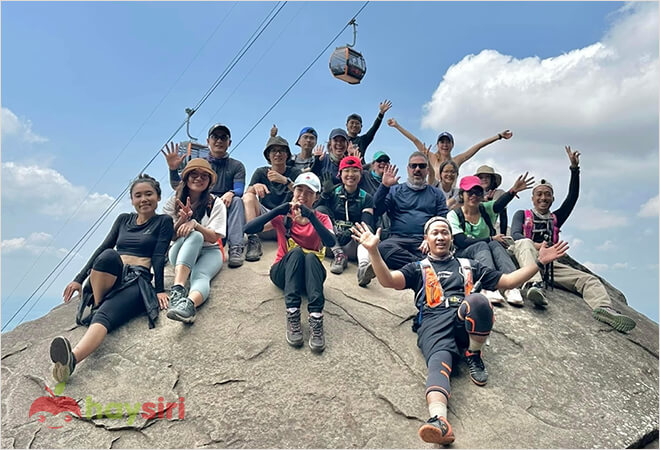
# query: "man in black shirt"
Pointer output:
{"type": "Point", "coordinates": [354, 127]}
{"type": "Point", "coordinates": [270, 187]}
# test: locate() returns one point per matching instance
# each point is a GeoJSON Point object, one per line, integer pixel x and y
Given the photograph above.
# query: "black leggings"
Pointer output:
{"type": "Point", "coordinates": [478, 320]}
{"type": "Point", "coordinates": [119, 305]}
{"type": "Point", "coordinates": [298, 273]}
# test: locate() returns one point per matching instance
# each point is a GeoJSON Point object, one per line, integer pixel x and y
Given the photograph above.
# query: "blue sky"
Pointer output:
{"type": "Point", "coordinates": [79, 80]}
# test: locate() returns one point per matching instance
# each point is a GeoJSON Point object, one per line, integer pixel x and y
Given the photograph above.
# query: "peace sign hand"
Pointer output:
{"type": "Point", "coordinates": [573, 156]}
{"type": "Point", "coordinates": [185, 211]}
{"type": "Point", "coordinates": [172, 156]}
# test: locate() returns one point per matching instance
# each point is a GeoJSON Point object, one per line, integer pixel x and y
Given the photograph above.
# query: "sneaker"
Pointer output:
{"type": "Point", "coordinates": [235, 256]}
{"type": "Point", "coordinates": [183, 311]}
{"type": "Point", "coordinates": [339, 263]}
{"type": "Point", "coordinates": [478, 372]}
{"type": "Point", "coordinates": [437, 430]}
{"type": "Point", "coordinates": [177, 292]}
{"type": "Point", "coordinates": [316, 338]}
{"type": "Point", "coordinates": [513, 297]}
{"type": "Point", "coordinates": [63, 357]}
{"type": "Point", "coordinates": [365, 274]}
{"type": "Point", "coordinates": [535, 293]}
{"type": "Point", "coordinates": [254, 251]}
{"type": "Point", "coordinates": [294, 334]}
{"type": "Point", "coordinates": [494, 296]}
{"type": "Point", "coordinates": [614, 319]}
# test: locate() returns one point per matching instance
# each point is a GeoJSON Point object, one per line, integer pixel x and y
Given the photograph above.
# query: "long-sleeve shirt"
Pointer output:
{"type": "Point", "coordinates": [365, 139]}
{"type": "Point", "coordinates": [151, 239]}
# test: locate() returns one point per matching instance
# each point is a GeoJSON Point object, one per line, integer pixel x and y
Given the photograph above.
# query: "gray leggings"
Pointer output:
{"type": "Point", "coordinates": [204, 262]}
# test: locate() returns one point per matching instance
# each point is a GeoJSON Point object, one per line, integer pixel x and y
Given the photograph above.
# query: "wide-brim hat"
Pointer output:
{"type": "Point", "coordinates": [487, 170]}
{"type": "Point", "coordinates": [277, 140]}
{"type": "Point", "coordinates": [200, 164]}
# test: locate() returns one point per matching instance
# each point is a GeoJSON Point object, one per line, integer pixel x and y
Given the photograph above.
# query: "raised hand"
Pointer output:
{"type": "Point", "coordinates": [70, 289]}
{"type": "Point", "coordinates": [327, 184]}
{"type": "Point", "coordinates": [523, 182]}
{"type": "Point", "coordinates": [390, 177]}
{"type": "Point", "coordinates": [384, 106]}
{"type": "Point", "coordinates": [275, 177]}
{"type": "Point", "coordinates": [353, 150]}
{"type": "Point", "coordinates": [260, 189]}
{"type": "Point", "coordinates": [319, 151]}
{"type": "Point", "coordinates": [573, 156]}
{"type": "Point", "coordinates": [273, 131]}
{"type": "Point", "coordinates": [172, 155]}
{"type": "Point", "coordinates": [506, 134]}
{"type": "Point", "coordinates": [549, 254]}
{"type": "Point", "coordinates": [363, 235]}
{"type": "Point", "coordinates": [392, 122]}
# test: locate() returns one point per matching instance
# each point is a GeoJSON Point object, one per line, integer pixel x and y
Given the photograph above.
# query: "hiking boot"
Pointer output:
{"type": "Point", "coordinates": [365, 274]}
{"type": "Point", "coordinates": [513, 297]}
{"type": "Point", "coordinates": [235, 256]}
{"type": "Point", "coordinates": [437, 430]}
{"type": "Point", "coordinates": [613, 318]}
{"type": "Point", "coordinates": [183, 311]}
{"type": "Point", "coordinates": [63, 357]}
{"type": "Point", "coordinates": [294, 334]}
{"type": "Point", "coordinates": [254, 251]}
{"type": "Point", "coordinates": [478, 372]}
{"type": "Point", "coordinates": [177, 292]}
{"type": "Point", "coordinates": [316, 338]}
{"type": "Point", "coordinates": [536, 294]}
{"type": "Point", "coordinates": [339, 264]}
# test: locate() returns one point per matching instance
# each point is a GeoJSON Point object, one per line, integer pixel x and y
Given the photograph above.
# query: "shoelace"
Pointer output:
{"type": "Point", "coordinates": [294, 323]}
{"type": "Point", "coordinates": [316, 327]}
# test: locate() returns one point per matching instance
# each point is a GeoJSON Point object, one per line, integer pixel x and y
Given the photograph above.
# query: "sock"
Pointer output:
{"type": "Point", "coordinates": [474, 345]}
{"type": "Point", "coordinates": [437, 409]}
{"type": "Point", "coordinates": [292, 310]}
{"type": "Point", "coordinates": [316, 315]}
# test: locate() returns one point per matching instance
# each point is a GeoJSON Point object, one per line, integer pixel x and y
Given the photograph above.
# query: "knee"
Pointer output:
{"type": "Point", "coordinates": [195, 237]}
{"type": "Point", "coordinates": [524, 245]}
{"type": "Point", "coordinates": [480, 247]}
{"type": "Point", "coordinates": [108, 261]}
{"type": "Point", "coordinates": [249, 199]}
{"type": "Point", "coordinates": [474, 304]}
{"type": "Point", "coordinates": [312, 260]}
{"type": "Point", "coordinates": [236, 202]}
{"type": "Point", "coordinates": [296, 254]}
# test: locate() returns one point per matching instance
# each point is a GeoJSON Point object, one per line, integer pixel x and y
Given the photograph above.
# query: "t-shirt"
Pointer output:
{"type": "Point", "coordinates": [299, 163]}
{"type": "Point", "coordinates": [279, 192]}
{"type": "Point", "coordinates": [151, 239]}
{"type": "Point", "coordinates": [450, 278]}
{"type": "Point", "coordinates": [476, 231]}
{"type": "Point", "coordinates": [217, 221]}
{"type": "Point", "coordinates": [303, 235]}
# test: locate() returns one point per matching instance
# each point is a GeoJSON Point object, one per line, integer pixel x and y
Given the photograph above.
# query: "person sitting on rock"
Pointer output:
{"type": "Point", "coordinates": [229, 187]}
{"type": "Point", "coordinates": [354, 127]}
{"type": "Point", "coordinates": [448, 171]}
{"type": "Point", "coordinates": [452, 319]}
{"type": "Point", "coordinates": [372, 175]}
{"type": "Point", "coordinates": [490, 180]}
{"type": "Point", "coordinates": [474, 231]}
{"type": "Point", "coordinates": [302, 235]}
{"type": "Point", "coordinates": [306, 141]}
{"type": "Point", "coordinates": [532, 228]}
{"type": "Point", "coordinates": [270, 187]}
{"type": "Point", "coordinates": [120, 277]}
{"type": "Point", "coordinates": [346, 204]}
{"type": "Point", "coordinates": [338, 148]}
{"type": "Point", "coordinates": [200, 221]}
{"type": "Point", "coordinates": [409, 206]}
{"type": "Point", "coordinates": [445, 144]}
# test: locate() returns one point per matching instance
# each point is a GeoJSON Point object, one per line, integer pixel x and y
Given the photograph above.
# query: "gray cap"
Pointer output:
{"type": "Point", "coordinates": [220, 126]}
{"type": "Point", "coordinates": [338, 132]}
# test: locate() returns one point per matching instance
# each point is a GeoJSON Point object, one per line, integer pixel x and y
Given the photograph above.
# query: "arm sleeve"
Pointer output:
{"type": "Point", "coordinates": [257, 224]}
{"type": "Point", "coordinates": [517, 225]}
{"type": "Point", "coordinates": [175, 179]}
{"type": "Point", "coordinates": [571, 199]}
{"type": "Point", "coordinates": [324, 230]}
{"type": "Point", "coordinates": [501, 202]}
{"type": "Point", "coordinates": [461, 240]}
{"type": "Point", "coordinates": [160, 251]}
{"type": "Point", "coordinates": [381, 200]}
{"type": "Point", "coordinates": [369, 135]}
{"type": "Point", "coordinates": [109, 242]}
{"type": "Point", "coordinates": [504, 221]}
{"type": "Point", "coordinates": [239, 180]}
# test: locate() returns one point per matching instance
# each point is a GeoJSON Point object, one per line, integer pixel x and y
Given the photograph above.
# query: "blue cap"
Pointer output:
{"type": "Point", "coordinates": [447, 135]}
{"type": "Point", "coordinates": [306, 130]}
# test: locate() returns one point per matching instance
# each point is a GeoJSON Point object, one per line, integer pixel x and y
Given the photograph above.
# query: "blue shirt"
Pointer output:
{"type": "Point", "coordinates": [408, 209]}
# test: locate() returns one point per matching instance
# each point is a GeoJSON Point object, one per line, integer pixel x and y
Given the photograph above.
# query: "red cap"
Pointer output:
{"type": "Point", "coordinates": [469, 182]}
{"type": "Point", "coordinates": [350, 161]}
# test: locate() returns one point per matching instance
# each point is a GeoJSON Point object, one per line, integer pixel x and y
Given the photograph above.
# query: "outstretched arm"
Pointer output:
{"type": "Point", "coordinates": [573, 188]}
{"type": "Point", "coordinates": [419, 144]}
{"type": "Point", "coordinates": [386, 277]}
{"type": "Point", "coordinates": [546, 256]}
{"type": "Point", "coordinates": [470, 152]}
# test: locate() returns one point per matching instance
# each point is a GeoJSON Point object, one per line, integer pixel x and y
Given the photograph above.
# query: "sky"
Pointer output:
{"type": "Point", "coordinates": [92, 91]}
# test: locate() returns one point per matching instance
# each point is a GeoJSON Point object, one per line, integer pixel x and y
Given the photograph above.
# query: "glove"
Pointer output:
{"type": "Point", "coordinates": [327, 184]}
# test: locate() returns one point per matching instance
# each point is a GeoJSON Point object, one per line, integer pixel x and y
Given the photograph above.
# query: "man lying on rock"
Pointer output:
{"type": "Point", "coordinates": [451, 319]}
{"type": "Point", "coordinates": [530, 228]}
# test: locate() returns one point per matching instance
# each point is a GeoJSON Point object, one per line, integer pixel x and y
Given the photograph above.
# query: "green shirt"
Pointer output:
{"type": "Point", "coordinates": [476, 231]}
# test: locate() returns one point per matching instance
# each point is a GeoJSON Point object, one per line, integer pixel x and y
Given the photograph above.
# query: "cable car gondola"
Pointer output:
{"type": "Point", "coordinates": [347, 64]}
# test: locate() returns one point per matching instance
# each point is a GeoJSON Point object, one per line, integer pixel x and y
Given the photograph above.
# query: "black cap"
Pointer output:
{"type": "Point", "coordinates": [221, 126]}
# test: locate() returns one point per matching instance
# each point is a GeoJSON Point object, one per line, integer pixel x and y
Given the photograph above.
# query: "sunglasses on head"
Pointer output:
{"type": "Point", "coordinates": [219, 137]}
{"type": "Point", "coordinates": [414, 166]}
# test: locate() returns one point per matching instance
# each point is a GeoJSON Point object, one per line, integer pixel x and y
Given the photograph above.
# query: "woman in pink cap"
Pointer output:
{"type": "Point", "coordinates": [473, 228]}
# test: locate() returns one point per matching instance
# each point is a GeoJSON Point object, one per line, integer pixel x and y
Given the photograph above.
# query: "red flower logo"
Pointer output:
{"type": "Point", "coordinates": [54, 405]}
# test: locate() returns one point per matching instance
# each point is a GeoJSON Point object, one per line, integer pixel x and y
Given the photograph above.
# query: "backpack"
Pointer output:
{"type": "Point", "coordinates": [528, 226]}
{"type": "Point", "coordinates": [432, 291]}
{"type": "Point", "coordinates": [484, 215]}
{"type": "Point", "coordinates": [341, 194]}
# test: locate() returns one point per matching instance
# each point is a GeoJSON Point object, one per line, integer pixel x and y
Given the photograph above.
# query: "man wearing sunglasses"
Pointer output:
{"type": "Point", "coordinates": [229, 186]}
{"type": "Point", "coordinates": [408, 205]}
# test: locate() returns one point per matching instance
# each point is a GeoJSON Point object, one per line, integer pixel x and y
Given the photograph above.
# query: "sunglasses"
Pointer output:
{"type": "Point", "coordinates": [414, 166]}
{"type": "Point", "coordinates": [201, 176]}
{"type": "Point", "coordinates": [277, 150]}
{"type": "Point", "coordinates": [476, 192]}
{"type": "Point", "coordinates": [221, 137]}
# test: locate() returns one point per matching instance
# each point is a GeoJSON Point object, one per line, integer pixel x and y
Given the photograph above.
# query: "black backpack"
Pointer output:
{"type": "Point", "coordinates": [484, 214]}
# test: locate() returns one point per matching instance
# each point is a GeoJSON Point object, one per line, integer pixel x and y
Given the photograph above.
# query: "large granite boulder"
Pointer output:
{"type": "Point", "coordinates": [558, 378]}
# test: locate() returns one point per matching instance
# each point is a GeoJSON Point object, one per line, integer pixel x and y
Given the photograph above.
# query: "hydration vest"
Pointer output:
{"type": "Point", "coordinates": [528, 226]}
{"type": "Point", "coordinates": [432, 293]}
{"type": "Point", "coordinates": [341, 194]}
{"type": "Point", "coordinates": [484, 215]}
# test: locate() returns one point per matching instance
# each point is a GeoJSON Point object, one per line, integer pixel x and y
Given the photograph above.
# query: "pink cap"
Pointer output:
{"type": "Point", "coordinates": [469, 182]}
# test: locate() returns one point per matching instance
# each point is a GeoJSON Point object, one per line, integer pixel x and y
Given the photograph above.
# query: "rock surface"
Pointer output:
{"type": "Point", "coordinates": [558, 378]}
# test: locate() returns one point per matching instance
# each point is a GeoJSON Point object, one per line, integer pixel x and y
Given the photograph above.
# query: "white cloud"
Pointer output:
{"type": "Point", "coordinates": [605, 246]}
{"type": "Point", "coordinates": [591, 218]}
{"type": "Point", "coordinates": [650, 208]}
{"type": "Point", "coordinates": [47, 192]}
{"type": "Point", "coordinates": [616, 266]}
{"type": "Point", "coordinates": [12, 125]}
{"type": "Point", "coordinates": [596, 267]}
{"type": "Point", "coordinates": [34, 244]}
